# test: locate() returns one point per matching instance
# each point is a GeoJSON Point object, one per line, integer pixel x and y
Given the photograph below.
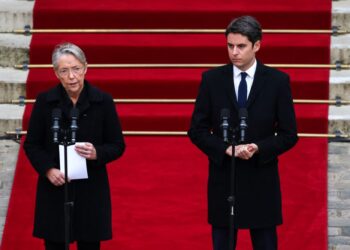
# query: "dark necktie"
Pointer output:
{"type": "Point", "coordinates": [242, 91]}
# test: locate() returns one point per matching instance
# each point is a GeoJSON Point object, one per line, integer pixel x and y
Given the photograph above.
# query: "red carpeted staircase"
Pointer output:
{"type": "Point", "coordinates": [159, 185]}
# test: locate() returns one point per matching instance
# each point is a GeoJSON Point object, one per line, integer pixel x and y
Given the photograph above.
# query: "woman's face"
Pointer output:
{"type": "Point", "coordinates": [71, 73]}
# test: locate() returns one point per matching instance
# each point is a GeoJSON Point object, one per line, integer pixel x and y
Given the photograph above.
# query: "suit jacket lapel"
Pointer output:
{"type": "Point", "coordinates": [229, 86]}
{"type": "Point", "coordinates": [258, 83]}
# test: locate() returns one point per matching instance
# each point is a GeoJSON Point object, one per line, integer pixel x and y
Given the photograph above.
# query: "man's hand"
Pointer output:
{"type": "Point", "coordinates": [244, 151]}
{"type": "Point", "coordinates": [55, 176]}
{"type": "Point", "coordinates": [86, 150]}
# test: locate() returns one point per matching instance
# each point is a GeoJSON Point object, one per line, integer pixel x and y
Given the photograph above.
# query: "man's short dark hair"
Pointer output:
{"type": "Point", "coordinates": [247, 26]}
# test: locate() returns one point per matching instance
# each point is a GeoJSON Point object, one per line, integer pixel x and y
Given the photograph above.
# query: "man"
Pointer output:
{"type": "Point", "coordinates": [265, 93]}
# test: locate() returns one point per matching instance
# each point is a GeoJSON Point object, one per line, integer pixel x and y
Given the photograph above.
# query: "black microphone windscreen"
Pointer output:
{"type": "Point", "coordinates": [56, 113]}
{"type": "Point", "coordinates": [74, 113]}
{"type": "Point", "coordinates": [225, 113]}
{"type": "Point", "coordinates": [243, 113]}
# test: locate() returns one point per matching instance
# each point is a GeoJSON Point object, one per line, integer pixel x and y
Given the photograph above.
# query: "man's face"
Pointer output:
{"type": "Point", "coordinates": [241, 51]}
{"type": "Point", "coordinates": [71, 72]}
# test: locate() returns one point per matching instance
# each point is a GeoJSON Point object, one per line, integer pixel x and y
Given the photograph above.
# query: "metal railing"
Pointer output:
{"type": "Point", "coordinates": [337, 66]}
{"type": "Point", "coordinates": [27, 30]}
{"type": "Point", "coordinates": [337, 135]}
{"type": "Point", "coordinates": [337, 101]}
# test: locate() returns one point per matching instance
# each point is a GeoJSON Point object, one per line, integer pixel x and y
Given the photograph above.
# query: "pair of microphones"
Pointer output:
{"type": "Point", "coordinates": [225, 126]}
{"type": "Point", "coordinates": [56, 117]}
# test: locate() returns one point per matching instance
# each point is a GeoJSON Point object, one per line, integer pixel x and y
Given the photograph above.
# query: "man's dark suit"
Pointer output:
{"type": "Point", "coordinates": [270, 111]}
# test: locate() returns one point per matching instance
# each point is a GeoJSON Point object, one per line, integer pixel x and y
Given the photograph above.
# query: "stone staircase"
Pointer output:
{"type": "Point", "coordinates": [14, 14]}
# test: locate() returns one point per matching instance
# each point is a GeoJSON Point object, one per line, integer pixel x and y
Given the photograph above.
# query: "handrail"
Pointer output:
{"type": "Point", "coordinates": [337, 66]}
{"type": "Point", "coordinates": [337, 102]}
{"type": "Point", "coordinates": [184, 133]}
{"type": "Point", "coordinates": [28, 30]}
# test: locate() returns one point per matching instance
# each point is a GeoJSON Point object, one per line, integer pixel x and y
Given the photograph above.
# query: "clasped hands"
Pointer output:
{"type": "Point", "coordinates": [84, 149]}
{"type": "Point", "coordinates": [243, 151]}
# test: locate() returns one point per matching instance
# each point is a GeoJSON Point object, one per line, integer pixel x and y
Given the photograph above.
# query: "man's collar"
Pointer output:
{"type": "Point", "coordinates": [251, 71]}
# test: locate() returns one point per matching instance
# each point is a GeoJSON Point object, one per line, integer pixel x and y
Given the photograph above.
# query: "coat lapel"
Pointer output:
{"type": "Point", "coordinates": [258, 83]}
{"type": "Point", "coordinates": [83, 103]}
{"type": "Point", "coordinates": [60, 100]}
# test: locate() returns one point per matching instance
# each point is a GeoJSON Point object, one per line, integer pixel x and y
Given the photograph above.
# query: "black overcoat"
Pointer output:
{"type": "Point", "coordinates": [270, 111]}
{"type": "Point", "coordinates": [98, 124]}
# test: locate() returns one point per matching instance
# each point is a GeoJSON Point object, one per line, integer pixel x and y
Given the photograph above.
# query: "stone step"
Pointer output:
{"type": "Point", "coordinates": [15, 14]}
{"type": "Point", "coordinates": [340, 49]}
{"type": "Point", "coordinates": [341, 13]}
{"type": "Point", "coordinates": [14, 49]}
{"type": "Point", "coordinates": [340, 84]}
{"type": "Point", "coordinates": [10, 117]}
{"type": "Point", "coordinates": [12, 83]}
{"type": "Point", "coordinates": [339, 118]}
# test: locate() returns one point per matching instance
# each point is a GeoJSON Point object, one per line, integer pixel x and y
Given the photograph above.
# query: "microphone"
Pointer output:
{"type": "Point", "coordinates": [243, 116]}
{"type": "Point", "coordinates": [56, 116]}
{"type": "Point", "coordinates": [74, 114]}
{"type": "Point", "coordinates": [224, 116]}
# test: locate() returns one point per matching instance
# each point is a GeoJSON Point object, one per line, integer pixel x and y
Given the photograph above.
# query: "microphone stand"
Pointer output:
{"type": "Point", "coordinates": [231, 198]}
{"type": "Point", "coordinates": [68, 205]}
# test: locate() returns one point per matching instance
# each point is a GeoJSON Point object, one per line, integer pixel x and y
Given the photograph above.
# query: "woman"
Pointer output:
{"type": "Point", "coordinates": [99, 129]}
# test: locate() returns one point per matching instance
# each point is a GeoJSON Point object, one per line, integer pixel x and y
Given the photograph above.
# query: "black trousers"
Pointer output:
{"type": "Point", "coordinates": [49, 245]}
{"type": "Point", "coordinates": [262, 238]}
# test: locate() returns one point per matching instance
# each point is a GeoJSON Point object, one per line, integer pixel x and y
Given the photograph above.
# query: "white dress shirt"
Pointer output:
{"type": "Point", "coordinates": [249, 79]}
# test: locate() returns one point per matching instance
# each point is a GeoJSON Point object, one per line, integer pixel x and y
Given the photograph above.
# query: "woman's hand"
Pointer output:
{"type": "Point", "coordinates": [55, 176]}
{"type": "Point", "coordinates": [86, 150]}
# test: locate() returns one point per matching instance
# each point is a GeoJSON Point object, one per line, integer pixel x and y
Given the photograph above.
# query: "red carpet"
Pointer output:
{"type": "Point", "coordinates": [179, 48]}
{"type": "Point", "coordinates": [312, 14]}
{"type": "Point", "coordinates": [176, 117]}
{"type": "Point", "coordinates": [156, 83]}
{"type": "Point", "coordinates": [159, 198]}
{"type": "Point", "coordinates": [159, 185]}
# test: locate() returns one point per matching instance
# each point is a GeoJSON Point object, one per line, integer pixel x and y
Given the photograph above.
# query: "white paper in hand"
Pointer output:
{"type": "Point", "coordinates": [77, 168]}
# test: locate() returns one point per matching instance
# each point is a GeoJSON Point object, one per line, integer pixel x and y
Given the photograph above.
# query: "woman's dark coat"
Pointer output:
{"type": "Point", "coordinates": [98, 124]}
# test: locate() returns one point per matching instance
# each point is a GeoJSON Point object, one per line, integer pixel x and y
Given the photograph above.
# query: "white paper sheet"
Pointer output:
{"type": "Point", "coordinates": [77, 168]}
